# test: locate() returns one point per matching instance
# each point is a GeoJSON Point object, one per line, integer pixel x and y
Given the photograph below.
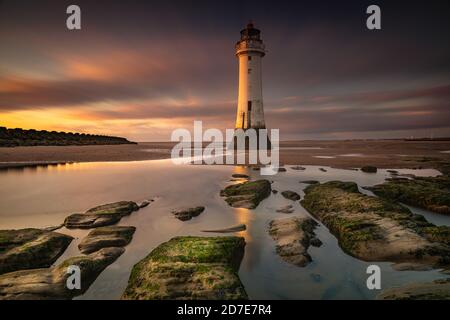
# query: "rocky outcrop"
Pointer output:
{"type": "Point", "coordinates": [100, 216]}
{"type": "Point", "coordinates": [293, 237]}
{"type": "Point", "coordinates": [103, 237]}
{"type": "Point", "coordinates": [188, 213]}
{"type": "Point", "coordinates": [309, 181]}
{"type": "Point", "coordinates": [430, 193]}
{"type": "Point", "coordinates": [369, 169]}
{"type": "Point", "coordinates": [247, 194]}
{"type": "Point", "coordinates": [30, 248]}
{"type": "Point", "coordinates": [50, 283]}
{"type": "Point", "coordinates": [238, 228]}
{"type": "Point", "coordinates": [373, 229]}
{"type": "Point", "coordinates": [286, 209]}
{"type": "Point", "coordinates": [291, 195]}
{"type": "Point", "coordinates": [240, 176]}
{"type": "Point", "coordinates": [189, 268]}
{"type": "Point", "coordinates": [436, 290]}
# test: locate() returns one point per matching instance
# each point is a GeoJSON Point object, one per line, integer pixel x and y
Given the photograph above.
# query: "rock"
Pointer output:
{"type": "Point", "coordinates": [309, 181]}
{"type": "Point", "coordinates": [103, 237]}
{"type": "Point", "coordinates": [369, 169]}
{"type": "Point", "coordinates": [188, 213]}
{"type": "Point", "coordinates": [239, 227]}
{"type": "Point", "coordinates": [240, 176]}
{"type": "Point", "coordinates": [323, 169]}
{"type": "Point", "coordinates": [282, 169]}
{"type": "Point", "coordinates": [436, 290]}
{"type": "Point", "coordinates": [372, 229]}
{"type": "Point", "coordinates": [430, 193]}
{"type": "Point", "coordinates": [315, 242]}
{"type": "Point", "coordinates": [186, 268]}
{"type": "Point", "coordinates": [50, 283]}
{"type": "Point", "coordinates": [392, 171]}
{"type": "Point", "coordinates": [286, 209]}
{"type": "Point", "coordinates": [298, 168]}
{"type": "Point", "coordinates": [144, 204]}
{"type": "Point", "coordinates": [247, 194]}
{"type": "Point", "coordinates": [293, 237]}
{"type": "Point", "coordinates": [274, 191]}
{"type": "Point", "coordinates": [30, 248]}
{"type": "Point", "coordinates": [291, 195]}
{"type": "Point", "coordinates": [100, 216]}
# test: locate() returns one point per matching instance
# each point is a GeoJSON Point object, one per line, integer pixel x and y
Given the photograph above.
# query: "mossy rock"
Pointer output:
{"type": "Point", "coordinates": [30, 248]}
{"type": "Point", "coordinates": [189, 268]}
{"type": "Point", "coordinates": [374, 229]}
{"type": "Point", "coordinates": [436, 290]}
{"type": "Point", "coordinates": [247, 194]}
{"type": "Point", "coordinates": [430, 193]}
{"type": "Point", "coordinates": [50, 283]}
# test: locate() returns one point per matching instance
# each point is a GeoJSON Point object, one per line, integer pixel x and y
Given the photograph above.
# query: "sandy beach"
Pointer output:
{"type": "Point", "coordinates": [338, 154]}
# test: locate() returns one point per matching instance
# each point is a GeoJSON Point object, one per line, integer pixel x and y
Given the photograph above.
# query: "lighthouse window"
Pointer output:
{"type": "Point", "coordinates": [249, 106]}
{"type": "Point", "coordinates": [249, 70]}
{"type": "Point", "coordinates": [249, 58]}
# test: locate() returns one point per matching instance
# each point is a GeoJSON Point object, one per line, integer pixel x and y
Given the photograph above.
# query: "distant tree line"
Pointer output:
{"type": "Point", "coordinates": [20, 137]}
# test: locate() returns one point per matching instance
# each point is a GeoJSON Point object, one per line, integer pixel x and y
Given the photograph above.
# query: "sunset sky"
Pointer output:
{"type": "Point", "coordinates": [141, 69]}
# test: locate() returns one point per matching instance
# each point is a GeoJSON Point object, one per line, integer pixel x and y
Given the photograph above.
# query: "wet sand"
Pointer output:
{"type": "Point", "coordinates": [338, 154]}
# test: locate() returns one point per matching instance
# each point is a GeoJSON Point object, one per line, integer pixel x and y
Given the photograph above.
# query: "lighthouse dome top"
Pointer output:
{"type": "Point", "coordinates": [250, 32]}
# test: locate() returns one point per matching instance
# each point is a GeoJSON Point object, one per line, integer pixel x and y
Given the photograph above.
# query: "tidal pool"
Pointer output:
{"type": "Point", "coordinates": [44, 196]}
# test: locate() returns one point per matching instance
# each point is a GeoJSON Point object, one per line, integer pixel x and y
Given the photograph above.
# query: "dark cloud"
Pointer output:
{"type": "Point", "coordinates": [324, 71]}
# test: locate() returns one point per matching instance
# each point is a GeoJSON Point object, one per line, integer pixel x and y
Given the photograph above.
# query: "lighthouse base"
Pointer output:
{"type": "Point", "coordinates": [250, 139]}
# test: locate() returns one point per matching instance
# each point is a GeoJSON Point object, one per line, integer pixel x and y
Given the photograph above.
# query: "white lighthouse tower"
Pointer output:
{"type": "Point", "coordinates": [250, 50]}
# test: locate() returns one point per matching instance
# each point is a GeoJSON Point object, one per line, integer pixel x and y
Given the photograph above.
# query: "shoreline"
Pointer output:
{"type": "Point", "coordinates": [390, 154]}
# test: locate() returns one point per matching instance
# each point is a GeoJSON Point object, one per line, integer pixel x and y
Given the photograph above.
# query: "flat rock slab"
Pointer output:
{"type": "Point", "coordinates": [292, 237]}
{"type": "Point", "coordinates": [291, 195]}
{"type": "Point", "coordinates": [286, 209]}
{"type": "Point", "coordinates": [50, 283]}
{"type": "Point", "coordinates": [239, 227]}
{"type": "Point", "coordinates": [240, 176]}
{"type": "Point", "coordinates": [30, 248]}
{"type": "Point", "coordinates": [189, 268]}
{"type": "Point", "coordinates": [430, 193]}
{"type": "Point", "coordinates": [103, 237]}
{"type": "Point", "coordinates": [186, 214]}
{"type": "Point", "coordinates": [247, 194]}
{"type": "Point", "coordinates": [436, 290]}
{"type": "Point", "coordinates": [369, 169]}
{"type": "Point", "coordinates": [100, 216]}
{"type": "Point", "coordinates": [373, 229]}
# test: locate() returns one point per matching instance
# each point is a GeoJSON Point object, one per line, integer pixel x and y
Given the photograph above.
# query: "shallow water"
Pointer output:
{"type": "Point", "coordinates": [44, 196]}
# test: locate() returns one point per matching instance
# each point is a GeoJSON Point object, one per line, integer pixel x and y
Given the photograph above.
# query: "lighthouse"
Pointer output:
{"type": "Point", "coordinates": [250, 50]}
{"type": "Point", "coordinates": [250, 112]}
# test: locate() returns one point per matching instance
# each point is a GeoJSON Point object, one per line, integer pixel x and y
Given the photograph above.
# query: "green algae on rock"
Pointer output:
{"type": "Point", "coordinates": [51, 283]}
{"type": "Point", "coordinates": [373, 229]}
{"type": "Point", "coordinates": [103, 237]}
{"type": "Point", "coordinates": [100, 216]}
{"type": "Point", "coordinates": [430, 193]}
{"type": "Point", "coordinates": [30, 248]}
{"type": "Point", "coordinates": [436, 290]}
{"type": "Point", "coordinates": [189, 268]}
{"type": "Point", "coordinates": [247, 194]}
